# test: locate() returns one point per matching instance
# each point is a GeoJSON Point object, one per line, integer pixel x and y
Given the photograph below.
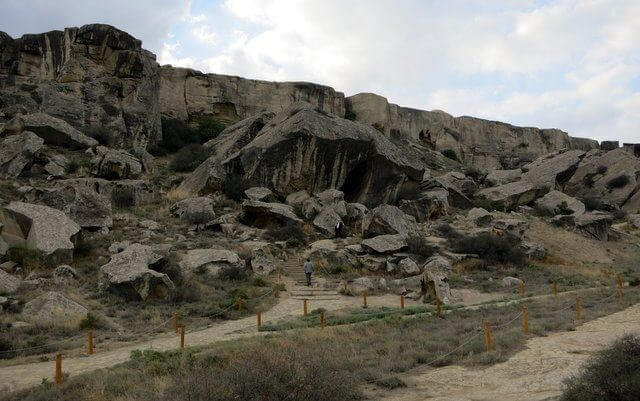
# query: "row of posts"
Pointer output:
{"type": "Point", "coordinates": [179, 328]}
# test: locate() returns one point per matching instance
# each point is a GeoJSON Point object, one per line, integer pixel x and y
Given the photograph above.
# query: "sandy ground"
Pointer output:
{"type": "Point", "coordinates": [533, 374]}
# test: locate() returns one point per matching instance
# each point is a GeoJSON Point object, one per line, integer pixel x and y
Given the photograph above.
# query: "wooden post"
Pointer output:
{"type": "Point", "coordinates": [305, 307]}
{"type": "Point", "coordinates": [522, 288]}
{"type": "Point", "coordinates": [279, 270]}
{"type": "Point", "coordinates": [175, 322]}
{"type": "Point", "coordinates": [181, 337]}
{"type": "Point", "coordinates": [345, 286]}
{"type": "Point", "coordinates": [578, 309]}
{"type": "Point", "coordinates": [58, 377]}
{"type": "Point", "coordinates": [364, 300]}
{"type": "Point", "coordinates": [322, 321]}
{"type": "Point", "coordinates": [619, 280]}
{"type": "Point", "coordinates": [554, 289]}
{"type": "Point", "coordinates": [239, 304]}
{"type": "Point", "coordinates": [401, 301]}
{"type": "Point", "coordinates": [259, 319]}
{"type": "Point", "coordinates": [90, 350]}
{"type": "Point", "coordinates": [619, 294]}
{"type": "Point", "coordinates": [438, 307]}
{"type": "Point", "coordinates": [525, 321]}
{"type": "Point", "coordinates": [276, 291]}
{"type": "Point", "coordinates": [488, 337]}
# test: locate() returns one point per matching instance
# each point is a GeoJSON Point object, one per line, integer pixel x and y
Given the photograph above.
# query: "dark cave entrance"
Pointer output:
{"type": "Point", "coordinates": [355, 182]}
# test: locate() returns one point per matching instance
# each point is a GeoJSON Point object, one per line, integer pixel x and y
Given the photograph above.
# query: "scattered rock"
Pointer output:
{"type": "Point", "coordinates": [64, 273]}
{"type": "Point", "coordinates": [387, 219]}
{"type": "Point", "coordinates": [552, 170]}
{"type": "Point", "coordinates": [57, 166]}
{"type": "Point", "coordinates": [556, 202]}
{"type": "Point", "coordinates": [514, 226]}
{"type": "Point", "coordinates": [436, 286]}
{"type": "Point", "coordinates": [437, 263]}
{"type": "Point", "coordinates": [408, 267]}
{"type": "Point", "coordinates": [150, 225]}
{"type": "Point", "coordinates": [130, 274]}
{"type": "Point", "coordinates": [8, 283]}
{"type": "Point", "coordinates": [55, 131]}
{"type": "Point", "coordinates": [356, 212]}
{"type": "Point", "coordinates": [114, 164]}
{"type": "Point", "coordinates": [501, 177]}
{"type": "Point", "coordinates": [634, 220]}
{"type": "Point", "coordinates": [533, 250]}
{"type": "Point", "coordinates": [430, 205]}
{"type": "Point", "coordinates": [296, 199]}
{"type": "Point", "coordinates": [17, 152]}
{"type": "Point", "coordinates": [596, 225]}
{"type": "Point", "coordinates": [512, 195]}
{"type": "Point", "coordinates": [385, 243]}
{"type": "Point", "coordinates": [326, 221]}
{"type": "Point", "coordinates": [367, 285]}
{"type": "Point", "coordinates": [40, 228]}
{"type": "Point", "coordinates": [54, 309]}
{"type": "Point", "coordinates": [118, 247]}
{"type": "Point", "coordinates": [261, 194]}
{"type": "Point", "coordinates": [261, 214]}
{"type": "Point", "coordinates": [480, 217]}
{"type": "Point", "coordinates": [211, 261]}
{"type": "Point", "coordinates": [511, 282]}
{"type": "Point", "coordinates": [194, 210]}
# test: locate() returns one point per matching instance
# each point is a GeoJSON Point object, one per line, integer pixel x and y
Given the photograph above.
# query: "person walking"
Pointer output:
{"type": "Point", "coordinates": [308, 269]}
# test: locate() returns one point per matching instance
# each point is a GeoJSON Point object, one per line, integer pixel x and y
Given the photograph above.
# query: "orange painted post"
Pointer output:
{"type": "Point", "coordinates": [305, 307]}
{"type": "Point", "coordinates": [555, 289]}
{"type": "Point", "coordinates": [401, 301]}
{"type": "Point", "coordinates": [525, 321]}
{"type": "Point", "coordinates": [239, 304]}
{"type": "Point", "coordinates": [175, 322]}
{"type": "Point", "coordinates": [322, 321]}
{"type": "Point", "coordinates": [438, 307]}
{"type": "Point", "coordinates": [619, 280]}
{"type": "Point", "coordinates": [619, 294]}
{"type": "Point", "coordinates": [578, 309]}
{"type": "Point", "coordinates": [364, 300]}
{"type": "Point", "coordinates": [90, 350]}
{"type": "Point", "coordinates": [522, 288]}
{"type": "Point", "coordinates": [488, 337]}
{"type": "Point", "coordinates": [276, 291]}
{"type": "Point", "coordinates": [181, 337]}
{"type": "Point", "coordinates": [259, 319]}
{"type": "Point", "coordinates": [58, 377]}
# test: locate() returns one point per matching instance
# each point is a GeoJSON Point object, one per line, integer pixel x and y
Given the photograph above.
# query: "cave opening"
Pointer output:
{"type": "Point", "coordinates": [355, 182]}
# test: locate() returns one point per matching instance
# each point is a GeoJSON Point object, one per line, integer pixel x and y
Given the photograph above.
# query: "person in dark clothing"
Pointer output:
{"type": "Point", "coordinates": [339, 229]}
{"type": "Point", "coordinates": [308, 270]}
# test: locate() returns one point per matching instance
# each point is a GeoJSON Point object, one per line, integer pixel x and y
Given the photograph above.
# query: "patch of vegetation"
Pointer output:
{"type": "Point", "coordinates": [290, 232]}
{"type": "Point", "coordinates": [78, 161]}
{"type": "Point", "coordinates": [91, 321]}
{"type": "Point", "coordinates": [418, 245]}
{"type": "Point", "coordinates": [450, 154]}
{"type": "Point", "coordinates": [563, 209]}
{"type": "Point", "coordinates": [188, 158]}
{"type": "Point", "coordinates": [234, 273]}
{"type": "Point", "coordinates": [613, 374]}
{"type": "Point", "coordinates": [475, 173]}
{"type": "Point", "coordinates": [27, 258]}
{"type": "Point", "coordinates": [489, 247]}
{"type": "Point", "coordinates": [618, 182]}
{"type": "Point", "coordinates": [176, 134]}
{"type": "Point", "coordinates": [123, 198]}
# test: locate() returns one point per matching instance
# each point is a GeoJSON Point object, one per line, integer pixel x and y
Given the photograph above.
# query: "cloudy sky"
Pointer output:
{"type": "Point", "coordinates": [568, 64]}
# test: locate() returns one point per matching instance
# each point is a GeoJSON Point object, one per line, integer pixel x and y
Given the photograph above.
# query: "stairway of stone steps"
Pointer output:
{"type": "Point", "coordinates": [294, 269]}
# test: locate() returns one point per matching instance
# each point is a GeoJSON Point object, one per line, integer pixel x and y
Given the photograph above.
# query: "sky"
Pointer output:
{"type": "Point", "coordinates": [567, 64]}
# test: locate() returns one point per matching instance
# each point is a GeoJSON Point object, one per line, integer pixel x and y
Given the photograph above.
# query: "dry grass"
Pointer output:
{"type": "Point", "coordinates": [176, 195]}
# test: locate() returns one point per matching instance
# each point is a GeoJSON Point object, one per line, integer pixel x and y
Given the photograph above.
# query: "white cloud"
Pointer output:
{"type": "Point", "coordinates": [204, 33]}
{"type": "Point", "coordinates": [168, 56]}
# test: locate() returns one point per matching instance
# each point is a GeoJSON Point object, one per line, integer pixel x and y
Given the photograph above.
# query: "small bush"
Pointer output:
{"type": "Point", "coordinates": [84, 247]}
{"type": "Point", "coordinates": [613, 374]}
{"type": "Point", "coordinates": [90, 322]}
{"type": "Point", "coordinates": [123, 198]}
{"type": "Point", "coordinates": [176, 134]}
{"type": "Point", "coordinates": [234, 188]}
{"type": "Point", "coordinates": [289, 232]}
{"type": "Point", "coordinates": [563, 209]}
{"type": "Point", "coordinates": [618, 182]}
{"type": "Point", "coordinates": [188, 158]}
{"type": "Point", "coordinates": [592, 203]}
{"type": "Point", "coordinates": [450, 154]}
{"type": "Point", "coordinates": [491, 248]}
{"type": "Point", "coordinates": [77, 162]}
{"type": "Point", "coordinates": [418, 245]}
{"type": "Point", "coordinates": [209, 128]}
{"type": "Point", "coordinates": [475, 173]}
{"type": "Point", "coordinates": [447, 231]}
{"type": "Point", "coordinates": [23, 256]}
{"type": "Point", "coordinates": [234, 273]}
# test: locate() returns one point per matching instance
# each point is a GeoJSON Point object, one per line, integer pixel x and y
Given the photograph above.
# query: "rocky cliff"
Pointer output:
{"type": "Point", "coordinates": [483, 143]}
{"type": "Point", "coordinates": [93, 77]}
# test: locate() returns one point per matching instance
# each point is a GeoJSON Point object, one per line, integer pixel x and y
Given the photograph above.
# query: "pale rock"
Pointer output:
{"type": "Point", "coordinates": [387, 219]}
{"type": "Point", "coordinates": [501, 177]}
{"type": "Point", "coordinates": [511, 282]}
{"type": "Point", "coordinates": [17, 152]}
{"type": "Point", "coordinates": [437, 263]}
{"type": "Point", "coordinates": [261, 194]}
{"type": "Point", "coordinates": [384, 244]}
{"type": "Point", "coordinates": [480, 217]}
{"type": "Point", "coordinates": [212, 261]}
{"type": "Point", "coordinates": [556, 202]}
{"type": "Point", "coordinates": [261, 213]}
{"type": "Point", "coordinates": [114, 164]}
{"type": "Point", "coordinates": [8, 283]}
{"type": "Point", "coordinates": [198, 210]}
{"type": "Point", "coordinates": [326, 221]}
{"type": "Point", "coordinates": [55, 131]}
{"type": "Point", "coordinates": [54, 309]}
{"type": "Point", "coordinates": [430, 205]}
{"type": "Point", "coordinates": [408, 267]}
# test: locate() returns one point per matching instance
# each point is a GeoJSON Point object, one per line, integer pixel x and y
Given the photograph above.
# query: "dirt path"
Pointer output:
{"type": "Point", "coordinates": [533, 374]}
{"type": "Point", "coordinates": [23, 376]}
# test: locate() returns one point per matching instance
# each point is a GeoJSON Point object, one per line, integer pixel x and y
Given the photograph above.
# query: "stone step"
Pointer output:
{"type": "Point", "coordinates": [314, 299]}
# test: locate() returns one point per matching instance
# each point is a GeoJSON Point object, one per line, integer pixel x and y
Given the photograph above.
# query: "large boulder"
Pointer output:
{"type": "Point", "coordinates": [115, 164]}
{"type": "Point", "coordinates": [302, 148]}
{"type": "Point", "coordinates": [57, 166]}
{"type": "Point", "coordinates": [55, 131]}
{"type": "Point", "coordinates": [611, 176]}
{"type": "Point", "coordinates": [261, 194]}
{"type": "Point", "coordinates": [8, 283]}
{"type": "Point", "coordinates": [131, 274]}
{"type": "Point", "coordinates": [387, 219]}
{"type": "Point", "coordinates": [54, 309]}
{"type": "Point", "coordinates": [326, 221]}
{"type": "Point", "coordinates": [18, 152]}
{"type": "Point", "coordinates": [480, 216]}
{"type": "Point", "coordinates": [123, 193]}
{"type": "Point", "coordinates": [596, 225]}
{"type": "Point", "coordinates": [194, 210]}
{"type": "Point", "coordinates": [429, 205]}
{"type": "Point", "coordinates": [262, 214]}
{"type": "Point", "coordinates": [512, 195]}
{"type": "Point", "coordinates": [385, 243]}
{"type": "Point", "coordinates": [553, 170]}
{"type": "Point", "coordinates": [91, 78]}
{"type": "Point", "coordinates": [40, 228]}
{"type": "Point", "coordinates": [211, 261]}
{"type": "Point", "coordinates": [556, 202]}
{"type": "Point", "coordinates": [501, 177]}
{"type": "Point", "coordinates": [458, 186]}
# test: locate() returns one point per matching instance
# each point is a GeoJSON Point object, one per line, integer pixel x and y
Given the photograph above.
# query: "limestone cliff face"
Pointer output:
{"type": "Point", "coordinates": [92, 76]}
{"type": "Point", "coordinates": [186, 93]}
{"type": "Point", "coordinates": [483, 143]}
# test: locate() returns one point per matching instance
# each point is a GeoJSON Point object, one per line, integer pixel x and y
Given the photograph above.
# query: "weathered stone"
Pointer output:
{"type": "Point", "coordinates": [480, 217]}
{"type": "Point", "coordinates": [261, 194]}
{"type": "Point", "coordinates": [556, 202]}
{"type": "Point", "coordinates": [511, 282]}
{"type": "Point", "coordinates": [435, 286]}
{"type": "Point", "coordinates": [408, 267]}
{"type": "Point", "coordinates": [326, 221]}
{"type": "Point", "coordinates": [54, 309]}
{"type": "Point", "coordinates": [131, 274]}
{"type": "Point", "coordinates": [17, 152]}
{"type": "Point", "coordinates": [609, 145]}
{"type": "Point", "coordinates": [512, 195]}
{"type": "Point", "coordinates": [533, 250]}
{"type": "Point", "coordinates": [430, 205]}
{"type": "Point", "coordinates": [211, 261]}
{"type": "Point", "coordinates": [513, 226]}
{"type": "Point", "coordinates": [64, 273]}
{"type": "Point", "coordinates": [119, 246]}
{"type": "Point", "coordinates": [194, 210]}
{"type": "Point", "coordinates": [387, 219]}
{"type": "Point", "coordinates": [437, 263]}
{"type": "Point", "coordinates": [634, 220]}
{"type": "Point", "coordinates": [150, 225]}
{"type": "Point", "coordinates": [40, 228]}
{"type": "Point", "coordinates": [368, 285]}
{"type": "Point", "coordinates": [501, 177]}
{"type": "Point", "coordinates": [55, 131]}
{"type": "Point", "coordinates": [115, 164]}
{"type": "Point", "coordinates": [553, 170]}
{"type": "Point", "coordinates": [385, 243]}
{"type": "Point", "coordinates": [296, 199]}
{"type": "Point", "coordinates": [596, 225]}
{"type": "Point", "coordinates": [8, 283]}
{"type": "Point", "coordinates": [262, 263]}
{"type": "Point", "coordinates": [57, 166]}
{"type": "Point", "coordinates": [310, 208]}
{"type": "Point", "coordinates": [356, 212]}
{"type": "Point", "coordinates": [261, 214]}
{"type": "Point", "coordinates": [123, 193]}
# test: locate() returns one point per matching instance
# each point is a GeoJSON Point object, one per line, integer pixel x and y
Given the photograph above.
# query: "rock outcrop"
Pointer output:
{"type": "Point", "coordinates": [211, 261]}
{"type": "Point", "coordinates": [17, 152]}
{"type": "Point", "coordinates": [95, 77]}
{"type": "Point", "coordinates": [131, 274]}
{"type": "Point", "coordinates": [556, 202]}
{"type": "Point", "coordinates": [115, 164]}
{"type": "Point", "coordinates": [477, 142]}
{"type": "Point", "coordinates": [54, 309]}
{"type": "Point", "coordinates": [387, 219]}
{"type": "Point", "coordinates": [43, 229]}
{"type": "Point", "coordinates": [54, 131]}
{"type": "Point", "coordinates": [262, 214]}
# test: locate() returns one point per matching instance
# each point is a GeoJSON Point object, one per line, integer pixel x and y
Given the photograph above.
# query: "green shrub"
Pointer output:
{"type": "Point", "coordinates": [475, 173]}
{"type": "Point", "coordinates": [176, 134]}
{"type": "Point", "coordinates": [209, 128]}
{"type": "Point", "coordinates": [234, 273]}
{"type": "Point", "coordinates": [77, 162]}
{"type": "Point", "coordinates": [91, 321]}
{"type": "Point", "coordinates": [418, 245]}
{"type": "Point", "coordinates": [22, 256]}
{"type": "Point", "coordinates": [618, 182]}
{"type": "Point", "coordinates": [613, 374]}
{"type": "Point", "coordinates": [450, 154]}
{"type": "Point", "coordinates": [489, 247]}
{"type": "Point", "coordinates": [188, 158]}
